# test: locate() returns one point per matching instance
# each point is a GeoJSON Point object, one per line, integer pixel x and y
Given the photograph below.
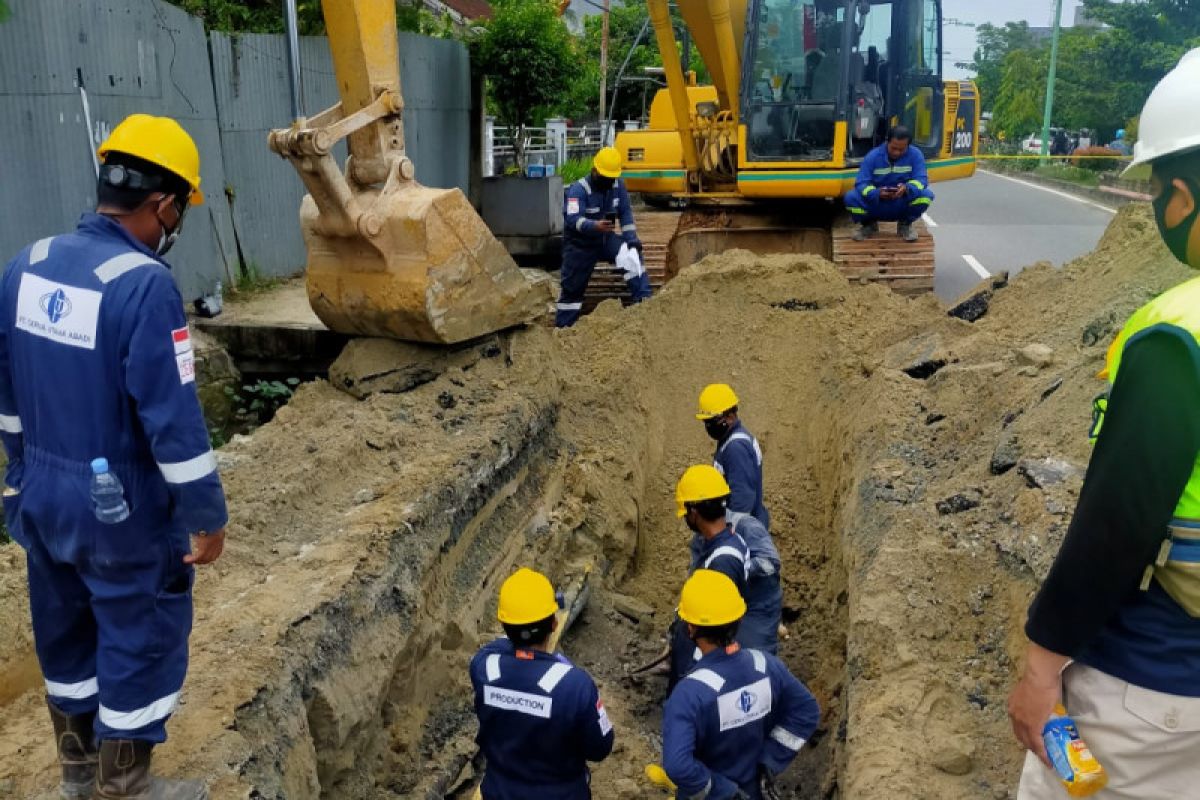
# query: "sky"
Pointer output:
{"type": "Point", "coordinates": [959, 42]}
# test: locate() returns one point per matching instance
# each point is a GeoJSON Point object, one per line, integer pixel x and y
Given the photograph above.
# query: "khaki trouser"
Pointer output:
{"type": "Point", "coordinates": [1148, 742]}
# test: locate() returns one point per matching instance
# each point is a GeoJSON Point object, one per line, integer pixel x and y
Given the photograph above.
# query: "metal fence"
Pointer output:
{"type": "Point", "coordinates": [148, 56]}
{"type": "Point", "coordinates": [552, 145]}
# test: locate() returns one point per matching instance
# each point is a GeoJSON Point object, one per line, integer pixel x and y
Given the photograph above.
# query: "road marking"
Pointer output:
{"type": "Point", "coordinates": [974, 264]}
{"type": "Point", "coordinates": [929, 221]}
{"type": "Point", "coordinates": [1048, 190]}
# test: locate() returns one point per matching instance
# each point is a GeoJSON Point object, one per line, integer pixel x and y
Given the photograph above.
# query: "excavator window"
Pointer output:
{"type": "Point", "coordinates": [795, 80]}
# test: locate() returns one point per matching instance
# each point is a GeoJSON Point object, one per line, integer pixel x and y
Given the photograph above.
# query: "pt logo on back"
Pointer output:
{"type": "Point", "coordinates": [55, 305]}
{"type": "Point", "coordinates": [746, 702]}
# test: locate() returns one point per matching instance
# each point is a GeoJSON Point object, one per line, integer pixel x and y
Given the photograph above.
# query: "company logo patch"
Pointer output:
{"type": "Point", "coordinates": [745, 705]}
{"type": "Point", "coordinates": [64, 314]}
{"type": "Point", "coordinates": [56, 305]}
{"type": "Point", "coordinates": [572, 205]}
{"type": "Point", "coordinates": [535, 705]}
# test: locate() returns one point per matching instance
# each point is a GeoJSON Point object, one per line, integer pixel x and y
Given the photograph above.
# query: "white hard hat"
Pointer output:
{"type": "Point", "coordinates": [1170, 121]}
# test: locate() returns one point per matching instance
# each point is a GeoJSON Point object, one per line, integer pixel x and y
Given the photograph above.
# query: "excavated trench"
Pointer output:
{"type": "Point", "coordinates": [372, 524]}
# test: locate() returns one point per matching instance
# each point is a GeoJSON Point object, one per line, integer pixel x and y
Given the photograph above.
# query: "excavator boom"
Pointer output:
{"type": "Point", "coordinates": [387, 256]}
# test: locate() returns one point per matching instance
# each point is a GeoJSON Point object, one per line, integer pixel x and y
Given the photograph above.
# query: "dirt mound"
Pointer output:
{"type": "Point", "coordinates": [920, 471]}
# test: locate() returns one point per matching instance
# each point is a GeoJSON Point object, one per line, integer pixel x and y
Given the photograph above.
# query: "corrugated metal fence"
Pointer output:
{"type": "Point", "coordinates": [148, 56]}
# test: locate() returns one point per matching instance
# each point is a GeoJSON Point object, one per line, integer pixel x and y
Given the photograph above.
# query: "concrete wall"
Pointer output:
{"type": "Point", "coordinates": [227, 91]}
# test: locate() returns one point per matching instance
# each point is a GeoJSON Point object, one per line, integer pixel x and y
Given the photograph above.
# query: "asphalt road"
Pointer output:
{"type": "Point", "coordinates": [991, 223]}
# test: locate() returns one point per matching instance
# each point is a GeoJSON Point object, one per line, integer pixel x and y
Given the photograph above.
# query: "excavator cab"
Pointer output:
{"type": "Point", "coordinates": [812, 63]}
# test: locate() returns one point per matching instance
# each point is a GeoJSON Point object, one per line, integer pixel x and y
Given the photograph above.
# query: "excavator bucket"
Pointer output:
{"type": "Point", "coordinates": [432, 271]}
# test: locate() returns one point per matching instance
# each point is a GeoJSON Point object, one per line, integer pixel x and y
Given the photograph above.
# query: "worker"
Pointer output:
{"type": "Point", "coordinates": [598, 226]}
{"type": "Point", "coordinates": [739, 717]}
{"type": "Point", "coordinates": [738, 456]}
{"type": "Point", "coordinates": [892, 185]}
{"type": "Point", "coordinates": [540, 717]}
{"type": "Point", "coordinates": [96, 363]}
{"type": "Point", "coordinates": [701, 497]}
{"type": "Point", "coordinates": [1119, 143]}
{"type": "Point", "coordinates": [1114, 629]}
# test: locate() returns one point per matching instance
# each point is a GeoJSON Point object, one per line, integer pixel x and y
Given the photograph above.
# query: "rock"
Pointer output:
{"type": "Point", "coordinates": [972, 308]}
{"type": "Point", "coordinates": [363, 496]}
{"type": "Point", "coordinates": [1035, 355]}
{"type": "Point", "coordinates": [958, 503]}
{"type": "Point", "coordinates": [1006, 454]}
{"type": "Point", "coordinates": [1054, 386]}
{"type": "Point", "coordinates": [1044, 472]}
{"type": "Point", "coordinates": [627, 789]}
{"type": "Point", "coordinates": [631, 607]}
{"type": "Point", "coordinates": [920, 357]}
{"type": "Point", "coordinates": [953, 755]}
{"type": "Point", "coordinates": [371, 366]}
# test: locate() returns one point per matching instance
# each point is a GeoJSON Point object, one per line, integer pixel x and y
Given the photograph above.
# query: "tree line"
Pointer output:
{"type": "Point", "coordinates": [1104, 74]}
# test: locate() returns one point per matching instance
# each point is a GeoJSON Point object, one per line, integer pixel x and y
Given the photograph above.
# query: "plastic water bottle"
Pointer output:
{"type": "Point", "coordinates": [1078, 770]}
{"type": "Point", "coordinates": [108, 495]}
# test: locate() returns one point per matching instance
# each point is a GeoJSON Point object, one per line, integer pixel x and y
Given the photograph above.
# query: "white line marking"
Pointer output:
{"type": "Point", "coordinates": [1048, 190]}
{"type": "Point", "coordinates": [974, 264]}
{"type": "Point", "coordinates": [929, 221]}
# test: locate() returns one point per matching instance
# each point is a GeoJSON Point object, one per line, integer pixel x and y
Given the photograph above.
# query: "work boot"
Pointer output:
{"type": "Point", "coordinates": [865, 231]}
{"type": "Point", "coordinates": [76, 745]}
{"type": "Point", "coordinates": [124, 774]}
{"type": "Point", "coordinates": [907, 232]}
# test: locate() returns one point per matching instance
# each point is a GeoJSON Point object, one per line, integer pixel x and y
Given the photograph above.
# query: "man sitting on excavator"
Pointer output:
{"type": "Point", "coordinates": [598, 226]}
{"type": "Point", "coordinates": [892, 185]}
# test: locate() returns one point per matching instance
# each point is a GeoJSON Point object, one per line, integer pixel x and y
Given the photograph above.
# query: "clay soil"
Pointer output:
{"type": "Point", "coordinates": [920, 471]}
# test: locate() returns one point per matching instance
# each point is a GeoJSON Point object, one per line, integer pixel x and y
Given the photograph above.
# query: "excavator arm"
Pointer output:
{"type": "Point", "coordinates": [386, 255]}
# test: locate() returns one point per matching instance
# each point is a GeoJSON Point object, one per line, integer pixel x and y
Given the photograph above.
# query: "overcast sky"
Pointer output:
{"type": "Point", "coordinates": [959, 41]}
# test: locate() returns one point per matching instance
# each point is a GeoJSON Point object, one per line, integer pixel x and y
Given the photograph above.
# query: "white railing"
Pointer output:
{"type": "Point", "coordinates": [549, 146]}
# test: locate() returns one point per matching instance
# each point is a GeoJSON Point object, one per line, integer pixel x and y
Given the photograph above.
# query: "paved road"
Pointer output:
{"type": "Point", "coordinates": [991, 223]}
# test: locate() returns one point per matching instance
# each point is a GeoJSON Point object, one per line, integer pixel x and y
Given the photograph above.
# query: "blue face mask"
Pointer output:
{"type": "Point", "coordinates": [1177, 238]}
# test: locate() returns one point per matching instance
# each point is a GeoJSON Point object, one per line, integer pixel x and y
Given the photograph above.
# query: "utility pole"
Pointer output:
{"type": "Point", "coordinates": [1050, 79]}
{"type": "Point", "coordinates": [604, 76]}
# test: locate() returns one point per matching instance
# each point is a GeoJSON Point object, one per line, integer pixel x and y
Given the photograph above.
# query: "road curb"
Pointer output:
{"type": "Point", "coordinates": [1115, 198]}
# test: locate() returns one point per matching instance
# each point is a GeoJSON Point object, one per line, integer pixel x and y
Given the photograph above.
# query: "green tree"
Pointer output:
{"type": "Point", "coordinates": [529, 58]}
{"type": "Point", "coordinates": [1017, 109]}
{"type": "Point", "coordinates": [993, 46]}
{"type": "Point", "coordinates": [266, 16]}
{"type": "Point", "coordinates": [4, 12]}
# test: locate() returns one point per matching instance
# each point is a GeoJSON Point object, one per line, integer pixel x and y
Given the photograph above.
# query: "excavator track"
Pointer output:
{"type": "Point", "coordinates": [904, 267]}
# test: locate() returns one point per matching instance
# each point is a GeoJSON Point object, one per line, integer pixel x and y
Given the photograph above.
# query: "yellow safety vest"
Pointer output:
{"type": "Point", "coordinates": [1177, 567]}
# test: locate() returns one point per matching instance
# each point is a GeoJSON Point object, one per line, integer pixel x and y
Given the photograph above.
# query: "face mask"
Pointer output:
{"type": "Point", "coordinates": [601, 184]}
{"type": "Point", "coordinates": [168, 237]}
{"type": "Point", "coordinates": [1177, 238]}
{"type": "Point", "coordinates": [687, 520]}
{"type": "Point", "coordinates": [716, 428]}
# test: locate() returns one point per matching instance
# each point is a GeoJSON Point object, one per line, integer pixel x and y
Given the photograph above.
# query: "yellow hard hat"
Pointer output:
{"type": "Point", "coordinates": [608, 162]}
{"type": "Point", "coordinates": [710, 598]}
{"type": "Point", "coordinates": [701, 482]}
{"type": "Point", "coordinates": [161, 141]}
{"type": "Point", "coordinates": [715, 400]}
{"type": "Point", "coordinates": [526, 597]}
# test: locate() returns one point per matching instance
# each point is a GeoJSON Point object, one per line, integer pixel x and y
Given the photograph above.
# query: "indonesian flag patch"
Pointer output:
{"type": "Point", "coordinates": [182, 339]}
{"type": "Point", "coordinates": [572, 205]}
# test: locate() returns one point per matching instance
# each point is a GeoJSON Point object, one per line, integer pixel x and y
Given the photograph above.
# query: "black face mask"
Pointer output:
{"type": "Point", "coordinates": [716, 428]}
{"type": "Point", "coordinates": [601, 184]}
{"type": "Point", "coordinates": [693, 527]}
{"type": "Point", "coordinates": [1177, 238]}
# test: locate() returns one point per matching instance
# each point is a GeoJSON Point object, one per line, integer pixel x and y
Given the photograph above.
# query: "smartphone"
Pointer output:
{"type": "Point", "coordinates": [612, 217]}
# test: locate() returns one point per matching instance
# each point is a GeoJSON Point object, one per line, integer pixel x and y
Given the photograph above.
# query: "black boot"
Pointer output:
{"type": "Point", "coordinates": [76, 745]}
{"type": "Point", "coordinates": [125, 775]}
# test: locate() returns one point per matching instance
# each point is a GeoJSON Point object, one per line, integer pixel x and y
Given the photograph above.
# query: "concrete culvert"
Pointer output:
{"type": "Point", "coordinates": [369, 536]}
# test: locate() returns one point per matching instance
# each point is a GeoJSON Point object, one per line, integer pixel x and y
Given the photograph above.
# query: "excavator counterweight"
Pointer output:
{"type": "Point", "coordinates": [387, 256]}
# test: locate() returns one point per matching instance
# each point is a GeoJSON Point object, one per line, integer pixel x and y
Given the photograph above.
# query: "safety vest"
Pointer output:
{"type": "Point", "coordinates": [1177, 567]}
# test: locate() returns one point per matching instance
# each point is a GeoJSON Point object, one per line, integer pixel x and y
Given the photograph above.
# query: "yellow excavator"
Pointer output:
{"type": "Point", "coordinates": [801, 91]}
{"type": "Point", "coordinates": [387, 256]}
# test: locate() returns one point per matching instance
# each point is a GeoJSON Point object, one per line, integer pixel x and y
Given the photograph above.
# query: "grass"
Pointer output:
{"type": "Point", "coordinates": [252, 281]}
{"type": "Point", "coordinates": [574, 169]}
{"type": "Point", "coordinates": [1066, 172]}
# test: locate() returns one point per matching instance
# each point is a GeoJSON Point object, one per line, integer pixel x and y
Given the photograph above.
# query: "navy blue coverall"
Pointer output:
{"type": "Point", "coordinates": [96, 361]}
{"type": "Point", "coordinates": [738, 711]}
{"type": "Point", "coordinates": [540, 721]}
{"type": "Point", "coordinates": [739, 459]}
{"type": "Point", "coordinates": [878, 171]}
{"type": "Point", "coordinates": [764, 593]}
{"type": "Point", "coordinates": [584, 246]}
{"type": "Point", "coordinates": [726, 553]}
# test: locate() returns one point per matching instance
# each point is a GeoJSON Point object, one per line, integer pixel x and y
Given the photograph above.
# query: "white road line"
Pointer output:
{"type": "Point", "coordinates": [929, 221]}
{"type": "Point", "coordinates": [1048, 190]}
{"type": "Point", "coordinates": [974, 264]}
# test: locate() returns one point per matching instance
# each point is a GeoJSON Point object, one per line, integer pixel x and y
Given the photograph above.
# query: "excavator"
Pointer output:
{"type": "Point", "coordinates": [387, 256]}
{"type": "Point", "coordinates": [801, 91]}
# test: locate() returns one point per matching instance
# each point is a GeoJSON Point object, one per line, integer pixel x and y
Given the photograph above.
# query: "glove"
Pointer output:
{"type": "Point", "coordinates": [766, 784]}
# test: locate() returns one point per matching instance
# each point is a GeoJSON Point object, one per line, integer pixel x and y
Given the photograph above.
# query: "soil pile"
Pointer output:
{"type": "Point", "coordinates": [920, 471]}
